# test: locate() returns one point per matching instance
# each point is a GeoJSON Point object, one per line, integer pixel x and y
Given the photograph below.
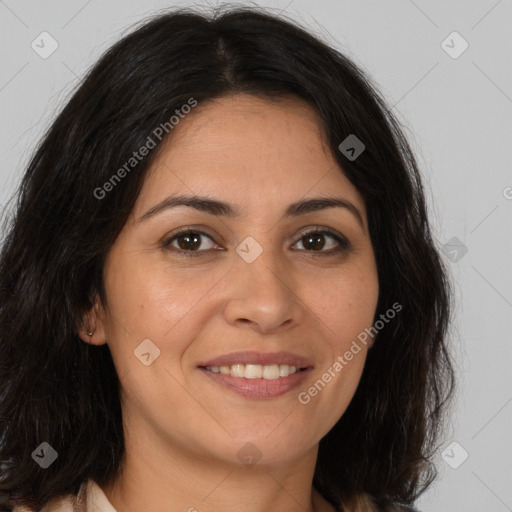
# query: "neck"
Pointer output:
{"type": "Point", "coordinates": [156, 477]}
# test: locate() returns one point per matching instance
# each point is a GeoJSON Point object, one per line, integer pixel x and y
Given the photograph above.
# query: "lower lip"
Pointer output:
{"type": "Point", "coordinates": [259, 388]}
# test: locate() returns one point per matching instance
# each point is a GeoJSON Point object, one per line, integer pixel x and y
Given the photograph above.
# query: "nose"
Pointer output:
{"type": "Point", "coordinates": [263, 297]}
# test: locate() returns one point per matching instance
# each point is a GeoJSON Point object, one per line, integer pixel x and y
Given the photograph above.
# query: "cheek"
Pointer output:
{"type": "Point", "coordinates": [345, 303]}
{"type": "Point", "coordinates": [345, 307]}
{"type": "Point", "coordinates": [140, 296]}
{"type": "Point", "coordinates": [153, 301]}
{"type": "Point", "coordinates": [344, 311]}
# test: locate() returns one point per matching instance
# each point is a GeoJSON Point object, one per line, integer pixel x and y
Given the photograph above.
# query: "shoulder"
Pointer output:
{"type": "Point", "coordinates": [62, 504]}
{"type": "Point", "coordinates": [67, 503]}
{"type": "Point", "coordinates": [367, 501]}
{"type": "Point", "coordinates": [385, 505]}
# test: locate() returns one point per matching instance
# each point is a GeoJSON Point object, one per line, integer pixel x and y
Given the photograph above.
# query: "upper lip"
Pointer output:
{"type": "Point", "coordinates": [262, 358]}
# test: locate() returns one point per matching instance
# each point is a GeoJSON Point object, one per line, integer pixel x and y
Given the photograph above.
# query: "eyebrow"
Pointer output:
{"type": "Point", "coordinates": [220, 208]}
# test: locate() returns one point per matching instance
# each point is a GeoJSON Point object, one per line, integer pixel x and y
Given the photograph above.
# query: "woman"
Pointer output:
{"type": "Point", "coordinates": [220, 288]}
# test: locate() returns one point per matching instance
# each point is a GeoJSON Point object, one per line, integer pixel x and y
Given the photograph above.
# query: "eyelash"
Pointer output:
{"type": "Point", "coordinates": [343, 244]}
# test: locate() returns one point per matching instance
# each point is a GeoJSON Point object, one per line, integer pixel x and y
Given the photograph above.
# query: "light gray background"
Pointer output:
{"type": "Point", "coordinates": [458, 115]}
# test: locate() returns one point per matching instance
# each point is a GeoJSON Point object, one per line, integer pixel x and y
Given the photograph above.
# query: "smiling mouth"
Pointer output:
{"type": "Point", "coordinates": [256, 381]}
{"type": "Point", "coordinates": [256, 371]}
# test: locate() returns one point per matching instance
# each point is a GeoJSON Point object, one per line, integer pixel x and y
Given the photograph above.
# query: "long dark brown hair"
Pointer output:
{"type": "Point", "coordinates": [57, 389]}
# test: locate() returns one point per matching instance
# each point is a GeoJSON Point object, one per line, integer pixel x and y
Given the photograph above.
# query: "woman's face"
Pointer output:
{"type": "Point", "coordinates": [252, 290]}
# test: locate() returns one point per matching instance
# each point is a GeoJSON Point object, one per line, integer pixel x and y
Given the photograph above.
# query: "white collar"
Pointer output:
{"type": "Point", "coordinates": [90, 498]}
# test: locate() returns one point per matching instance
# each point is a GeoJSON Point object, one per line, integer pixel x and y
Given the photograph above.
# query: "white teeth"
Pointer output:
{"type": "Point", "coordinates": [255, 371]}
{"type": "Point", "coordinates": [271, 371]}
{"type": "Point", "coordinates": [238, 370]}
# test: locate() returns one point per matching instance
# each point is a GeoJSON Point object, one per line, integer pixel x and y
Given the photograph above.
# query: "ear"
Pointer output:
{"type": "Point", "coordinates": [93, 329]}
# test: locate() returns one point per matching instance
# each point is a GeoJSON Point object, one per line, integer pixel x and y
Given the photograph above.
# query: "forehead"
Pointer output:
{"type": "Point", "coordinates": [250, 151]}
{"type": "Point", "coordinates": [244, 127]}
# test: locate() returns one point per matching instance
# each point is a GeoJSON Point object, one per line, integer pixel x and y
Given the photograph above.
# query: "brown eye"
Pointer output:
{"type": "Point", "coordinates": [189, 241]}
{"type": "Point", "coordinates": [315, 241]}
